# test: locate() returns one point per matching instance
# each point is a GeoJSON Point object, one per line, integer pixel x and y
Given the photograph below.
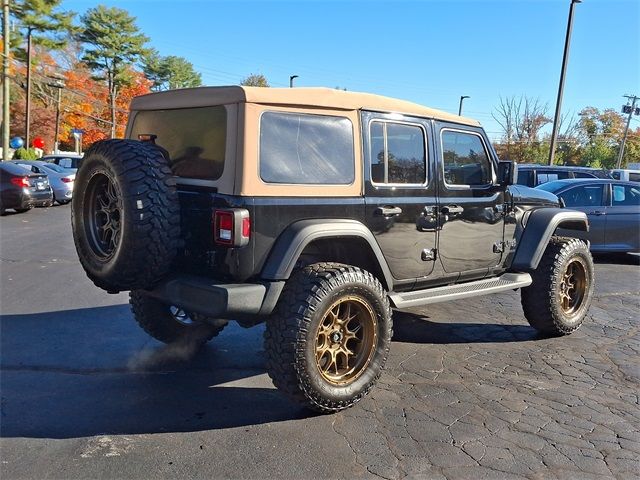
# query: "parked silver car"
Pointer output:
{"type": "Point", "coordinates": [61, 179]}
{"type": "Point", "coordinates": [613, 209]}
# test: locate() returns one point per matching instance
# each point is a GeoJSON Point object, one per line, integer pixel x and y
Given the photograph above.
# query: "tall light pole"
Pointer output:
{"type": "Point", "coordinates": [565, 60]}
{"type": "Point", "coordinates": [461, 100]}
{"type": "Point", "coordinates": [291, 78]}
{"type": "Point", "coordinates": [6, 121]}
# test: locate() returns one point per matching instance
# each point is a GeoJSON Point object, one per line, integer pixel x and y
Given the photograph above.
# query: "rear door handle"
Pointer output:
{"type": "Point", "coordinates": [388, 211]}
{"type": "Point", "coordinates": [451, 209]}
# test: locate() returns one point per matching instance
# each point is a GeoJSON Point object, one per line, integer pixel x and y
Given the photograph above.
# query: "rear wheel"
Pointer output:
{"type": "Point", "coordinates": [560, 295]}
{"type": "Point", "coordinates": [329, 338]}
{"type": "Point", "coordinates": [169, 324]}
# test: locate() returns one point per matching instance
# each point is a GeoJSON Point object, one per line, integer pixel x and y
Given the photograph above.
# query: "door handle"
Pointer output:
{"type": "Point", "coordinates": [451, 209]}
{"type": "Point", "coordinates": [597, 213]}
{"type": "Point", "coordinates": [388, 211]}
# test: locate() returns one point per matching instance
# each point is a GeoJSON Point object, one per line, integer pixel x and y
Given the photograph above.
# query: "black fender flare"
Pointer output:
{"type": "Point", "coordinates": [540, 227]}
{"type": "Point", "coordinates": [292, 241]}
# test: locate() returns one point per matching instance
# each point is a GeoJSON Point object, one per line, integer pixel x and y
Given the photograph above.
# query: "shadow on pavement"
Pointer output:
{"type": "Point", "coordinates": [70, 374]}
{"type": "Point", "coordinates": [411, 327]}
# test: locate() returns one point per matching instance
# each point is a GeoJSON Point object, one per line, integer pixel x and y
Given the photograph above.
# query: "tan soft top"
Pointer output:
{"type": "Point", "coordinates": [302, 97]}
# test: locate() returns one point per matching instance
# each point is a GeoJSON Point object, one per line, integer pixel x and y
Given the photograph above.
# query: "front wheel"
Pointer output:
{"type": "Point", "coordinates": [562, 289]}
{"type": "Point", "coordinates": [329, 338]}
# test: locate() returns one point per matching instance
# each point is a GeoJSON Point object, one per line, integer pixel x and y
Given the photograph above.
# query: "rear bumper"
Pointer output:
{"type": "Point", "coordinates": [246, 301]}
{"type": "Point", "coordinates": [36, 198]}
{"type": "Point", "coordinates": [63, 193]}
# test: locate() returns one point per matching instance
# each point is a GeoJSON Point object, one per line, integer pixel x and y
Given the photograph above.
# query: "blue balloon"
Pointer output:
{"type": "Point", "coordinates": [16, 142]}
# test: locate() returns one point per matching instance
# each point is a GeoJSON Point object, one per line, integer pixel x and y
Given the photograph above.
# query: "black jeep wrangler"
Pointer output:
{"type": "Point", "coordinates": [317, 211]}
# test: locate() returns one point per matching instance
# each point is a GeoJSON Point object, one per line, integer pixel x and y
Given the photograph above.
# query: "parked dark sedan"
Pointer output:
{"type": "Point", "coordinates": [21, 190]}
{"type": "Point", "coordinates": [613, 208]}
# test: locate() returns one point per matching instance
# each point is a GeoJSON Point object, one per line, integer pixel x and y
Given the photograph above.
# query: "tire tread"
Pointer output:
{"type": "Point", "coordinates": [538, 300]}
{"type": "Point", "coordinates": [286, 329]}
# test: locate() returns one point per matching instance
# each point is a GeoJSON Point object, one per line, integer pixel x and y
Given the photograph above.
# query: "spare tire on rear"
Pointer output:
{"type": "Point", "coordinates": [125, 215]}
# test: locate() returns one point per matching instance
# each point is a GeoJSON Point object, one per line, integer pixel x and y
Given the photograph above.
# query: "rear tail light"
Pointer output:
{"type": "Point", "coordinates": [231, 227]}
{"type": "Point", "coordinates": [67, 179]}
{"type": "Point", "coordinates": [21, 181]}
{"type": "Point", "coordinates": [223, 227]}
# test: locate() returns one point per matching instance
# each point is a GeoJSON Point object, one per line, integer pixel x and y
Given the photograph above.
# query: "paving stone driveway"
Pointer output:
{"type": "Point", "coordinates": [471, 392]}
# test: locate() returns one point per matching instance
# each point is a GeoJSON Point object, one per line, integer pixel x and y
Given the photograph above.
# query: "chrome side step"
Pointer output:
{"type": "Point", "coordinates": [507, 281]}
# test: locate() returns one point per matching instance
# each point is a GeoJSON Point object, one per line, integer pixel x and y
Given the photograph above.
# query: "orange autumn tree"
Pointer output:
{"type": "Point", "coordinates": [83, 105]}
{"type": "Point", "coordinates": [86, 105]}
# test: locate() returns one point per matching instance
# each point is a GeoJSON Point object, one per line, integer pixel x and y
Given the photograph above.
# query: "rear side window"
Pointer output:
{"type": "Point", "coordinates": [584, 196]}
{"type": "Point", "coordinates": [524, 177]}
{"type": "Point", "coordinates": [634, 177]}
{"type": "Point", "coordinates": [306, 149]}
{"type": "Point", "coordinates": [544, 176]}
{"type": "Point", "coordinates": [465, 159]}
{"type": "Point", "coordinates": [194, 137]}
{"type": "Point", "coordinates": [625, 195]}
{"type": "Point", "coordinates": [584, 175]}
{"type": "Point", "coordinates": [67, 162]}
{"type": "Point", "coordinates": [398, 154]}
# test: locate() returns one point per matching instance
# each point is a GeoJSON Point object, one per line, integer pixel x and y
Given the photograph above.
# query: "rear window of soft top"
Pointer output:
{"type": "Point", "coordinates": [194, 137]}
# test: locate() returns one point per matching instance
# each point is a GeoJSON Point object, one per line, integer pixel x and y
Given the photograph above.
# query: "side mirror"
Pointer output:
{"type": "Point", "coordinates": [507, 173]}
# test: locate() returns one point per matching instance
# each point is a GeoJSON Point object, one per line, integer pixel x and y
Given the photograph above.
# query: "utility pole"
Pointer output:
{"type": "Point", "coordinates": [57, 83]}
{"type": "Point", "coordinates": [114, 90]}
{"type": "Point", "coordinates": [631, 111]}
{"type": "Point", "coordinates": [565, 60]}
{"type": "Point", "coordinates": [28, 100]}
{"type": "Point", "coordinates": [6, 121]}
{"type": "Point", "coordinates": [460, 106]}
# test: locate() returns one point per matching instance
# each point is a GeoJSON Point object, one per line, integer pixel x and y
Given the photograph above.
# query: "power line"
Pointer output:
{"type": "Point", "coordinates": [73, 110]}
{"type": "Point", "coordinates": [71, 90]}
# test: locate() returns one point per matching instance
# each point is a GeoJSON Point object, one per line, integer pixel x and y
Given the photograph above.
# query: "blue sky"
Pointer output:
{"type": "Point", "coordinates": [428, 51]}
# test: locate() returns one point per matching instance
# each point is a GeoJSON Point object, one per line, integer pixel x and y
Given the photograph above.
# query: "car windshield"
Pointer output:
{"type": "Point", "coordinates": [55, 168]}
{"type": "Point", "coordinates": [552, 186]}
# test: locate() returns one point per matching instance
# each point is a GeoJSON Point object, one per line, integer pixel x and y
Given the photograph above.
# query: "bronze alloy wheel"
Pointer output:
{"type": "Point", "coordinates": [346, 340]}
{"type": "Point", "coordinates": [573, 286]}
{"type": "Point", "coordinates": [103, 216]}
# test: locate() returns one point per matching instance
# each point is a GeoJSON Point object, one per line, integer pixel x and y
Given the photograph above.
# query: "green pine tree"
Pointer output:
{"type": "Point", "coordinates": [171, 72]}
{"type": "Point", "coordinates": [112, 44]}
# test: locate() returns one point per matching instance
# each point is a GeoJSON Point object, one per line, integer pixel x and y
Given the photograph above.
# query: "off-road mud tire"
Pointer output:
{"type": "Point", "coordinates": [291, 335]}
{"type": "Point", "coordinates": [149, 218]}
{"type": "Point", "coordinates": [541, 300]}
{"type": "Point", "coordinates": [158, 321]}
